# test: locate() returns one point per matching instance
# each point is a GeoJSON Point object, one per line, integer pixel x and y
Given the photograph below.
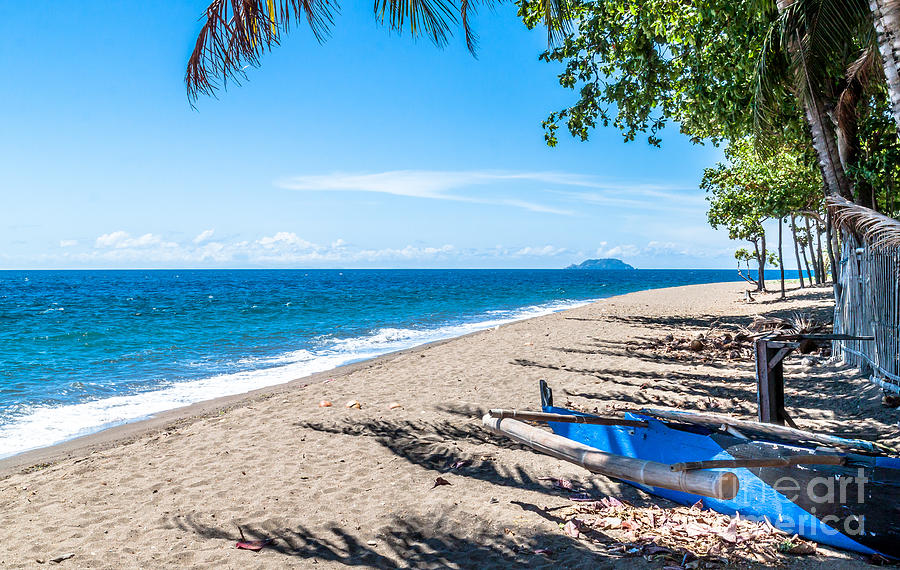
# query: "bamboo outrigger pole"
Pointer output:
{"type": "Point", "coordinates": [566, 418]}
{"type": "Point", "coordinates": [716, 484]}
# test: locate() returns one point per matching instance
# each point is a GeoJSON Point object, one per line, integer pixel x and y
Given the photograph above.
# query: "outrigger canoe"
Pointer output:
{"type": "Point", "coordinates": [840, 492]}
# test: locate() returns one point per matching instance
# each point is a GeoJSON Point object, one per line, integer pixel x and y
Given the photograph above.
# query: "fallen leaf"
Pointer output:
{"type": "Point", "coordinates": [572, 528]}
{"type": "Point", "coordinates": [610, 522]}
{"type": "Point", "coordinates": [559, 483]}
{"type": "Point", "coordinates": [440, 481]}
{"type": "Point", "coordinates": [612, 503]}
{"type": "Point", "coordinates": [802, 549]}
{"type": "Point", "coordinates": [254, 545]}
{"type": "Point", "coordinates": [730, 532]}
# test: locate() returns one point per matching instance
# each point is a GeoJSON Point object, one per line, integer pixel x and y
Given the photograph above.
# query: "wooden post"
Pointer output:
{"type": "Point", "coordinates": [770, 379]}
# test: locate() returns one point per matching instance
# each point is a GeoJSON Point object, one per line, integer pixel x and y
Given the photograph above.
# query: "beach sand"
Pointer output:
{"type": "Point", "coordinates": [335, 486]}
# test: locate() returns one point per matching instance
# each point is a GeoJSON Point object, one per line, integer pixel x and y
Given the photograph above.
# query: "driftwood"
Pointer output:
{"type": "Point", "coordinates": [715, 484]}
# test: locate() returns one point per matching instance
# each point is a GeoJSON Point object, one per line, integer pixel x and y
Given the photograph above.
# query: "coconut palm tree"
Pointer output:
{"type": "Point", "coordinates": [829, 48]}
{"type": "Point", "coordinates": [886, 16]}
{"type": "Point", "coordinates": [236, 33]}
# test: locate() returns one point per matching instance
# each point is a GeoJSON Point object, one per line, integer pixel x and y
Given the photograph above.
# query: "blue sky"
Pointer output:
{"type": "Point", "coordinates": [370, 150]}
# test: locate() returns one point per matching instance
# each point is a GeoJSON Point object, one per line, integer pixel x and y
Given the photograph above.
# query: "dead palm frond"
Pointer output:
{"type": "Point", "coordinates": [236, 33]}
{"type": "Point", "coordinates": [798, 323]}
{"type": "Point", "coordinates": [876, 229]}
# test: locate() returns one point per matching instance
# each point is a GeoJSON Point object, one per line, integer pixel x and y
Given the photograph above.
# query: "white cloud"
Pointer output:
{"type": "Point", "coordinates": [123, 240]}
{"type": "Point", "coordinates": [657, 249]}
{"type": "Point", "coordinates": [288, 240]}
{"type": "Point", "coordinates": [545, 251]}
{"type": "Point", "coordinates": [436, 185]}
{"type": "Point", "coordinates": [68, 242]}
{"type": "Point", "coordinates": [279, 249]}
{"type": "Point", "coordinates": [204, 236]}
{"type": "Point", "coordinates": [624, 250]}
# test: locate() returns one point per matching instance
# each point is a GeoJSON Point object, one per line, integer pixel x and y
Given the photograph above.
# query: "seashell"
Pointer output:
{"type": "Point", "coordinates": [354, 404]}
{"type": "Point", "coordinates": [324, 404]}
{"type": "Point", "coordinates": [394, 405]}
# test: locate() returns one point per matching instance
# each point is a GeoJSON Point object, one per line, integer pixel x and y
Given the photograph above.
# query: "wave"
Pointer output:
{"type": "Point", "coordinates": [41, 426]}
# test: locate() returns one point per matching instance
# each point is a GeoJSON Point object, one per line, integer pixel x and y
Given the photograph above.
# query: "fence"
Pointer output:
{"type": "Point", "coordinates": [868, 296]}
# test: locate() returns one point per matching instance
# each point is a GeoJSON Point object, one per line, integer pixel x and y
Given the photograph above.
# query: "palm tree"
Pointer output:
{"type": "Point", "coordinates": [886, 15]}
{"type": "Point", "coordinates": [829, 48]}
{"type": "Point", "coordinates": [236, 33]}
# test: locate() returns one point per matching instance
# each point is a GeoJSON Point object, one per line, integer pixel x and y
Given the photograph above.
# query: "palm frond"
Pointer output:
{"type": "Point", "coordinates": [430, 18]}
{"type": "Point", "coordinates": [876, 229]}
{"type": "Point", "coordinates": [770, 77]}
{"type": "Point", "coordinates": [236, 33]}
{"type": "Point", "coordinates": [859, 74]}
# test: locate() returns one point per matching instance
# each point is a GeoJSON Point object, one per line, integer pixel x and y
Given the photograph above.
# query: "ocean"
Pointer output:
{"type": "Point", "coordinates": [81, 351]}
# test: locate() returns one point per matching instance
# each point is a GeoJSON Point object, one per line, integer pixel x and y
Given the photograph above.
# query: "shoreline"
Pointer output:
{"type": "Point", "coordinates": [204, 406]}
{"type": "Point", "coordinates": [86, 444]}
{"type": "Point", "coordinates": [102, 437]}
{"type": "Point", "coordinates": [338, 486]}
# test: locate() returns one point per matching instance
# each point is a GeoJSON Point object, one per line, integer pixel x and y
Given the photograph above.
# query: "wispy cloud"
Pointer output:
{"type": "Point", "coordinates": [437, 185]}
{"type": "Point", "coordinates": [448, 184]}
{"type": "Point", "coordinates": [642, 197]}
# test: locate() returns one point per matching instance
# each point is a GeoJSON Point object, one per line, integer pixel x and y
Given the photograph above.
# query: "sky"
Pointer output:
{"type": "Point", "coordinates": [370, 150]}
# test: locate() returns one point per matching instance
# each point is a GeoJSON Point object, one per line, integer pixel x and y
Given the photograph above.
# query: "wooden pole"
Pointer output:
{"type": "Point", "coordinates": [716, 484]}
{"type": "Point", "coordinates": [565, 418]}
{"type": "Point", "coordinates": [764, 462]}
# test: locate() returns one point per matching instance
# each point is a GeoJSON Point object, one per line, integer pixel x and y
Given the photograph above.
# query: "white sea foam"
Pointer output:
{"type": "Point", "coordinates": [41, 426]}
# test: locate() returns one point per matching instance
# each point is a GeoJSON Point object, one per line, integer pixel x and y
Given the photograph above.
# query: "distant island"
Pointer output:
{"type": "Point", "coordinates": [607, 263]}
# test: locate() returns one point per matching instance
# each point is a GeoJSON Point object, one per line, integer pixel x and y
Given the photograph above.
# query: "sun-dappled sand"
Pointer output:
{"type": "Point", "coordinates": [341, 485]}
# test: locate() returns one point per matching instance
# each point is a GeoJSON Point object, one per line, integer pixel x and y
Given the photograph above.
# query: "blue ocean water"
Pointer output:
{"type": "Point", "coordinates": [84, 350]}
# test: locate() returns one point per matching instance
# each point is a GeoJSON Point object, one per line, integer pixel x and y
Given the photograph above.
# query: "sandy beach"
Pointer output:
{"type": "Point", "coordinates": [337, 486]}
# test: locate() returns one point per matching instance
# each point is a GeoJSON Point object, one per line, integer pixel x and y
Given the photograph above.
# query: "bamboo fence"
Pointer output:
{"type": "Point", "coordinates": [868, 295]}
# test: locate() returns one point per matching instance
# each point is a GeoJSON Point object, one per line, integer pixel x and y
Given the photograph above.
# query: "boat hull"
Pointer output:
{"type": "Point", "coordinates": [851, 506]}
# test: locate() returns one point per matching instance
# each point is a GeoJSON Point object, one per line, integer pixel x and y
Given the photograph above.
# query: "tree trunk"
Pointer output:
{"type": "Point", "coordinates": [823, 138]}
{"type": "Point", "coordinates": [809, 278]}
{"type": "Point", "coordinates": [835, 268]}
{"type": "Point", "coordinates": [821, 128]}
{"type": "Point", "coordinates": [781, 254]}
{"type": "Point", "coordinates": [819, 247]}
{"type": "Point", "coordinates": [797, 251]}
{"type": "Point", "coordinates": [886, 14]}
{"type": "Point", "coordinates": [762, 263]}
{"type": "Point", "coordinates": [812, 253]}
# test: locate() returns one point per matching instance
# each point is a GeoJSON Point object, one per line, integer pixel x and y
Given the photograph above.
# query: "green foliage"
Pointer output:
{"type": "Point", "coordinates": [747, 190]}
{"type": "Point", "coordinates": [743, 254]}
{"type": "Point", "coordinates": [878, 164]}
{"type": "Point", "coordinates": [638, 64]}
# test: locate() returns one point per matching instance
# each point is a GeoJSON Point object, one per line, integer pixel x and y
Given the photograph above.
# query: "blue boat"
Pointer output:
{"type": "Point", "coordinates": [853, 506]}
